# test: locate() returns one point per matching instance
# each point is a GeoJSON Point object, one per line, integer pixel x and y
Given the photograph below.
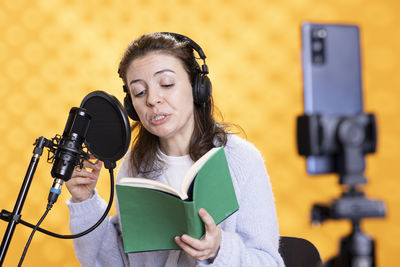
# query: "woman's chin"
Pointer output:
{"type": "Point", "coordinates": [161, 132]}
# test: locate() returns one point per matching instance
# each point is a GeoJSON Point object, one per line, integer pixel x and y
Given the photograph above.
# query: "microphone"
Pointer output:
{"type": "Point", "coordinates": [69, 151]}
{"type": "Point", "coordinates": [101, 123]}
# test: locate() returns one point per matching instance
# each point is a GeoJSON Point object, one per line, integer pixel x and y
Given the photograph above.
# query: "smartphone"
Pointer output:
{"type": "Point", "coordinates": [331, 62]}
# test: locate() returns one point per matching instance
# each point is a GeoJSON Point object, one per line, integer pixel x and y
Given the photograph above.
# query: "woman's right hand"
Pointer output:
{"type": "Point", "coordinates": [83, 181]}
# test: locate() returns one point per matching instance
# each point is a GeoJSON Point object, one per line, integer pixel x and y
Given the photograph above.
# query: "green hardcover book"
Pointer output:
{"type": "Point", "coordinates": [153, 213]}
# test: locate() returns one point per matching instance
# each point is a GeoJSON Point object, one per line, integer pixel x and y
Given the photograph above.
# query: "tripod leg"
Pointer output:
{"type": "Point", "coordinates": [357, 249]}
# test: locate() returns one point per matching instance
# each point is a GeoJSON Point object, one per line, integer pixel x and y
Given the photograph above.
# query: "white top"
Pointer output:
{"type": "Point", "coordinates": [177, 166]}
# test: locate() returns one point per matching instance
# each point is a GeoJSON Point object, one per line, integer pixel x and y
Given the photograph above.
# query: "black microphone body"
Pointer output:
{"type": "Point", "coordinates": [69, 150]}
{"type": "Point", "coordinates": [68, 153]}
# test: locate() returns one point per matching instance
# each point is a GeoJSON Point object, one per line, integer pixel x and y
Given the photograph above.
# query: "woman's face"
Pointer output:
{"type": "Point", "coordinates": [162, 95]}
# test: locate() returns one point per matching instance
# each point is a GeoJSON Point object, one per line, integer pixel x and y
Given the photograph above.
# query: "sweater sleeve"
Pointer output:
{"type": "Point", "coordinates": [255, 240]}
{"type": "Point", "coordinates": [103, 246]}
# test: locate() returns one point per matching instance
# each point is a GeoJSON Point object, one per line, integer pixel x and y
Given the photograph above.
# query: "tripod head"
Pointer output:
{"type": "Point", "coordinates": [346, 139]}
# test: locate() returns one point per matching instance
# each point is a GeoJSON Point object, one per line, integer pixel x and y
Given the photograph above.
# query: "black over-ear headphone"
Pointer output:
{"type": "Point", "coordinates": [202, 85]}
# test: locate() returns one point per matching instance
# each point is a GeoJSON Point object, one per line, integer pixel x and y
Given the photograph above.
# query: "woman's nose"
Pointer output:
{"type": "Point", "coordinates": [154, 97]}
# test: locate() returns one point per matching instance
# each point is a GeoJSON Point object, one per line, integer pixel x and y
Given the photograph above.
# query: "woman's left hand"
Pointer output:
{"type": "Point", "coordinates": [208, 246]}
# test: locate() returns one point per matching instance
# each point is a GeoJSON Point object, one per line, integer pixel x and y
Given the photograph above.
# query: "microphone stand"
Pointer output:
{"type": "Point", "coordinates": [40, 143]}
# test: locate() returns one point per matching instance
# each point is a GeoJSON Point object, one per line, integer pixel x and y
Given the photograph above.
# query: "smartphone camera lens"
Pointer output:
{"type": "Point", "coordinates": [318, 46]}
{"type": "Point", "coordinates": [319, 33]}
{"type": "Point", "coordinates": [318, 59]}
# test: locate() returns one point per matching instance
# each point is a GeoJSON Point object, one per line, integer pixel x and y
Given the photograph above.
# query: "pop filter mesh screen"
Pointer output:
{"type": "Point", "coordinates": [106, 138]}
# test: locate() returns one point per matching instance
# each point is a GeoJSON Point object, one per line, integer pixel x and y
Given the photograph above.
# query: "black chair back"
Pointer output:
{"type": "Point", "coordinates": [298, 252]}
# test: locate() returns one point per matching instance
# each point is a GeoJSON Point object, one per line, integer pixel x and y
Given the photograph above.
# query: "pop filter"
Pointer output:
{"type": "Point", "coordinates": [109, 133]}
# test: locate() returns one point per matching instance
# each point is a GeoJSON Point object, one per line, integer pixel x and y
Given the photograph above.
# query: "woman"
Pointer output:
{"type": "Point", "coordinates": [170, 97]}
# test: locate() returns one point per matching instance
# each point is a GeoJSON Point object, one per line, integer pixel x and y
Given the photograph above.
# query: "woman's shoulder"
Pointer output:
{"type": "Point", "coordinates": [245, 160]}
{"type": "Point", "coordinates": [240, 149]}
{"type": "Point", "coordinates": [238, 144]}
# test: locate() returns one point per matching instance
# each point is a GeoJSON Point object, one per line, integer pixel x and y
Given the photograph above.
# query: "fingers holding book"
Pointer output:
{"type": "Point", "coordinates": [208, 246]}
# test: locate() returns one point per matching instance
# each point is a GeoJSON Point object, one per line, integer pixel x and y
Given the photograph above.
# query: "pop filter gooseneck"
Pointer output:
{"type": "Point", "coordinates": [109, 134]}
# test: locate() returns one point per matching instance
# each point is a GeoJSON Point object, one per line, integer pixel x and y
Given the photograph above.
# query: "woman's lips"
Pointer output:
{"type": "Point", "coordinates": [159, 119]}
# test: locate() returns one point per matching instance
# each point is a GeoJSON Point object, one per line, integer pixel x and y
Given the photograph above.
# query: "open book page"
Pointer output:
{"type": "Point", "coordinates": [192, 172]}
{"type": "Point", "coordinates": [151, 184]}
{"type": "Point", "coordinates": [186, 182]}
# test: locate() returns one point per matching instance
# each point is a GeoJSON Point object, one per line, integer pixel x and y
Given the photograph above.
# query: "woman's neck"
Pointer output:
{"type": "Point", "coordinates": [174, 147]}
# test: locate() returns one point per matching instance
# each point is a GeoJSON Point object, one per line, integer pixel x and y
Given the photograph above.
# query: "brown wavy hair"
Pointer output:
{"type": "Point", "coordinates": [207, 132]}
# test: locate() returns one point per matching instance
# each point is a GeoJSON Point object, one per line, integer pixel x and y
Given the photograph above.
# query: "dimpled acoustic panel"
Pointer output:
{"type": "Point", "coordinates": [54, 52]}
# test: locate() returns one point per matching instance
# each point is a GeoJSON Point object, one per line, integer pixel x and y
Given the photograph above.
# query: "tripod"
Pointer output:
{"type": "Point", "coordinates": [347, 140]}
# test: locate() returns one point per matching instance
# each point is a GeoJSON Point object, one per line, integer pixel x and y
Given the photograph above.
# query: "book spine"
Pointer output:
{"type": "Point", "coordinates": [195, 226]}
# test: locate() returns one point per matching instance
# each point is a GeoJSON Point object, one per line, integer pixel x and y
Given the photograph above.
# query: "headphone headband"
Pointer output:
{"type": "Point", "coordinates": [194, 45]}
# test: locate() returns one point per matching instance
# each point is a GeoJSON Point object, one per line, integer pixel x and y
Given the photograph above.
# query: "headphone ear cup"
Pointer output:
{"type": "Point", "coordinates": [130, 110]}
{"type": "Point", "coordinates": [202, 89]}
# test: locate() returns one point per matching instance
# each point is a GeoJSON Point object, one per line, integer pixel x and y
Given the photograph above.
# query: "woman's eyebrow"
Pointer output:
{"type": "Point", "coordinates": [135, 81]}
{"type": "Point", "coordinates": [156, 73]}
{"type": "Point", "coordinates": [162, 71]}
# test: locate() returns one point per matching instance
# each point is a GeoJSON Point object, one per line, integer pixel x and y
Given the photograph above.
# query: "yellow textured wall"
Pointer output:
{"type": "Point", "coordinates": [52, 53]}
